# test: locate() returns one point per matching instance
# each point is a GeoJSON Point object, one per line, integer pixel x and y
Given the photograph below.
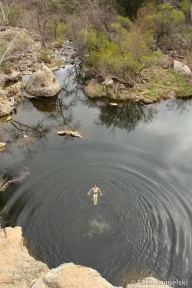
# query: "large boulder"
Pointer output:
{"type": "Point", "coordinates": [43, 83]}
{"type": "Point", "coordinates": [180, 67]}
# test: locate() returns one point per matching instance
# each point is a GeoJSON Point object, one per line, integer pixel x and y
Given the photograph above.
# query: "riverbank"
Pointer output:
{"type": "Point", "coordinates": [19, 269]}
{"type": "Point", "coordinates": [23, 58]}
{"type": "Point", "coordinates": [154, 85]}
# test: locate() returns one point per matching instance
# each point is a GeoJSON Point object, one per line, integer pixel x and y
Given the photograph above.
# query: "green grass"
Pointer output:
{"type": "Point", "coordinates": [163, 84]}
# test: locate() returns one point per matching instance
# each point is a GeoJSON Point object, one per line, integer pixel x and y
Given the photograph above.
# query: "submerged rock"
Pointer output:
{"type": "Point", "coordinates": [43, 83]}
{"type": "Point", "coordinates": [69, 133]}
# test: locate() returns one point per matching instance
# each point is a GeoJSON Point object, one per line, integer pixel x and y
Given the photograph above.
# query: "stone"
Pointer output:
{"type": "Point", "coordinates": [71, 276]}
{"type": "Point", "coordinates": [17, 267]}
{"type": "Point", "coordinates": [113, 104]}
{"type": "Point", "coordinates": [108, 82]}
{"type": "Point", "coordinates": [13, 76]}
{"type": "Point", "coordinates": [181, 67]}
{"type": "Point", "coordinates": [6, 107]}
{"type": "Point", "coordinates": [55, 68]}
{"type": "Point", "coordinates": [26, 73]}
{"type": "Point", "coordinates": [2, 146]}
{"type": "Point", "coordinates": [69, 133]}
{"type": "Point", "coordinates": [43, 83]}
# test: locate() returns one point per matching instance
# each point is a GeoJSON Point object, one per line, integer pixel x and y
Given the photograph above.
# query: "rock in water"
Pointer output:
{"type": "Point", "coordinates": [2, 145]}
{"type": "Point", "coordinates": [43, 83]}
{"type": "Point", "coordinates": [69, 133]}
{"type": "Point", "coordinates": [180, 67]}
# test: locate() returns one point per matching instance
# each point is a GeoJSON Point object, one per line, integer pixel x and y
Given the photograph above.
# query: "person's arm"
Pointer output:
{"type": "Point", "coordinates": [100, 192]}
{"type": "Point", "coordinates": [90, 191]}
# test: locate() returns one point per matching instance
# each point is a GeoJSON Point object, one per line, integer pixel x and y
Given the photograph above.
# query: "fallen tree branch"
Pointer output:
{"type": "Point", "coordinates": [22, 175]}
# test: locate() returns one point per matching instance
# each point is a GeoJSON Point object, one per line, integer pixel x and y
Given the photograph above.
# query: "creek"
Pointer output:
{"type": "Point", "coordinates": [139, 156]}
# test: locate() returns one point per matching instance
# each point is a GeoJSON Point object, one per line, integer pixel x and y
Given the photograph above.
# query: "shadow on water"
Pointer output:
{"type": "Point", "coordinates": [142, 224]}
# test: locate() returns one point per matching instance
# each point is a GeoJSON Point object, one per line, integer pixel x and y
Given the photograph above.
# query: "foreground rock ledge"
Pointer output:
{"type": "Point", "coordinates": [17, 267]}
{"type": "Point", "coordinates": [19, 270]}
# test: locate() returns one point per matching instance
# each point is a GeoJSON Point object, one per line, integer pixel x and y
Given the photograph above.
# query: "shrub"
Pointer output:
{"type": "Point", "coordinates": [15, 15]}
{"type": "Point", "coordinates": [6, 66]}
{"type": "Point", "coordinates": [45, 56]}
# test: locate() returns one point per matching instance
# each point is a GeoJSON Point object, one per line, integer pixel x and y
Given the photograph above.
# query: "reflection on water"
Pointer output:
{"type": "Point", "coordinates": [143, 223]}
{"type": "Point", "coordinates": [126, 116]}
{"type": "Point", "coordinates": [45, 105]}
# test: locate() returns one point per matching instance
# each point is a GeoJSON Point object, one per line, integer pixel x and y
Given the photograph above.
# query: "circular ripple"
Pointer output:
{"type": "Point", "coordinates": [140, 221]}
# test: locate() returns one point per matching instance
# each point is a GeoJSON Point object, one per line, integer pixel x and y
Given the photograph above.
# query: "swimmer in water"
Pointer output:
{"type": "Point", "coordinates": [96, 191]}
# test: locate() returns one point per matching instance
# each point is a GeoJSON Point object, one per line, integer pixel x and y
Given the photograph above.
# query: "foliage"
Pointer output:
{"type": "Point", "coordinates": [185, 7]}
{"type": "Point", "coordinates": [124, 54]}
{"type": "Point", "coordinates": [45, 56]}
{"type": "Point", "coordinates": [164, 23]}
{"type": "Point", "coordinates": [6, 66]}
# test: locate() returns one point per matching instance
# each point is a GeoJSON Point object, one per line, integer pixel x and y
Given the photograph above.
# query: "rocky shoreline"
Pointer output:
{"type": "Point", "coordinates": [24, 63]}
{"type": "Point", "coordinates": [20, 270]}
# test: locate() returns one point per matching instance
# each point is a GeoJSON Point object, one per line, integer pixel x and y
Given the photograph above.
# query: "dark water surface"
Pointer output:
{"type": "Point", "coordinates": [140, 157]}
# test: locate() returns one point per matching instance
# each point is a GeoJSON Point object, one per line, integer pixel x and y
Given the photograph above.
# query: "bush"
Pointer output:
{"type": "Point", "coordinates": [45, 56]}
{"type": "Point", "coordinates": [123, 54]}
{"type": "Point", "coordinates": [6, 66]}
{"type": "Point", "coordinates": [15, 15]}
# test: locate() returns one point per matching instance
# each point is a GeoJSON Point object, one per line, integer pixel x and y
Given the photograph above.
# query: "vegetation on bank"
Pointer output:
{"type": "Point", "coordinates": [156, 85]}
{"type": "Point", "coordinates": [127, 40]}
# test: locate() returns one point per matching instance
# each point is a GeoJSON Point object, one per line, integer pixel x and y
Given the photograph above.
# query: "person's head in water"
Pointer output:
{"type": "Point", "coordinates": [95, 186]}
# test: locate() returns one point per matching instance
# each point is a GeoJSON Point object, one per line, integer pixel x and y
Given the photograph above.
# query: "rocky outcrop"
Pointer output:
{"type": "Point", "coordinates": [19, 270]}
{"type": "Point", "coordinates": [72, 276]}
{"type": "Point", "coordinates": [43, 83]}
{"type": "Point", "coordinates": [181, 67]}
{"type": "Point", "coordinates": [17, 267]}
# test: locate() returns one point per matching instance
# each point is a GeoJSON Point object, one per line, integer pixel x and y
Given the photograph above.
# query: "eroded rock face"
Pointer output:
{"type": "Point", "coordinates": [72, 276]}
{"type": "Point", "coordinates": [17, 267]}
{"type": "Point", "coordinates": [43, 83]}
